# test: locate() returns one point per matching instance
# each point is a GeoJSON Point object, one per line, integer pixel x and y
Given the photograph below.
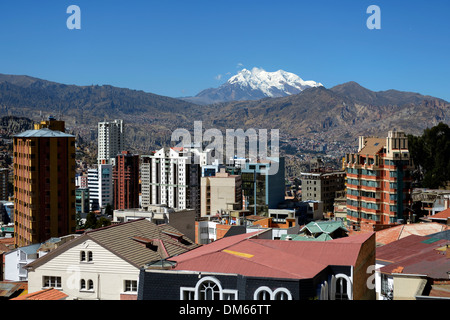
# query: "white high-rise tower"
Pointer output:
{"type": "Point", "coordinates": [110, 141]}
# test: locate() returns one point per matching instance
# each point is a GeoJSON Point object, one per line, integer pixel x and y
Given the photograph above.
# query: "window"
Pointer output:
{"type": "Point", "coordinates": [265, 293]}
{"type": "Point", "coordinates": [341, 289]}
{"type": "Point", "coordinates": [51, 282]}
{"type": "Point", "coordinates": [89, 287]}
{"type": "Point", "coordinates": [209, 290]}
{"type": "Point", "coordinates": [86, 256]}
{"type": "Point", "coordinates": [130, 286]}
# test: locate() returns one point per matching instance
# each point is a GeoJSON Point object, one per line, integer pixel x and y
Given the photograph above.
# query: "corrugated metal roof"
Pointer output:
{"type": "Point", "coordinates": [271, 258]}
{"type": "Point", "coordinates": [389, 235]}
{"type": "Point", "coordinates": [406, 248]}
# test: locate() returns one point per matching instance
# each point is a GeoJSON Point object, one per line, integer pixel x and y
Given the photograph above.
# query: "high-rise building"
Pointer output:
{"type": "Point", "coordinates": [262, 188]}
{"type": "Point", "coordinates": [44, 185]}
{"type": "Point", "coordinates": [220, 193]}
{"type": "Point", "coordinates": [100, 184]}
{"type": "Point", "coordinates": [82, 200]}
{"type": "Point", "coordinates": [126, 181]}
{"type": "Point", "coordinates": [172, 177]}
{"type": "Point", "coordinates": [379, 182]}
{"type": "Point", "coordinates": [4, 177]}
{"type": "Point", "coordinates": [110, 141]}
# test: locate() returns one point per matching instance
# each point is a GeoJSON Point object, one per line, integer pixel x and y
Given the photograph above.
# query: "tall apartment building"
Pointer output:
{"type": "Point", "coordinates": [220, 193]}
{"type": "Point", "coordinates": [100, 184]}
{"type": "Point", "coordinates": [262, 191]}
{"type": "Point", "coordinates": [44, 185]}
{"type": "Point", "coordinates": [126, 181]}
{"type": "Point", "coordinates": [172, 177]}
{"type": "Point", "coordinates": [379, 182]}
{"type": "Point", "coordinates": [110, 141]}
{"type": "Point", "coordinates": [82, 200]}
{"type": "Point", "coordinates": [4, 178]}
{"type": "Point", "coordinates": [322, 186]}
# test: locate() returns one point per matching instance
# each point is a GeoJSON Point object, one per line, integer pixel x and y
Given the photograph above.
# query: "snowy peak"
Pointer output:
{"type": "Point", "coordinates": [254, 84]}
{"type": "Point", "coordinates": [272, 84]}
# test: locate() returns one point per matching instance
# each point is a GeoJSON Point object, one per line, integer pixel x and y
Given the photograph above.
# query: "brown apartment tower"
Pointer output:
{"type": "Point", "coordinates": [126, 181]}
{"type": "Point", "coordinates": [44, 183]}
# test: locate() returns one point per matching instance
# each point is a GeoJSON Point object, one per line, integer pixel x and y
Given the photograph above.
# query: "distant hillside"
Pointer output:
{"type": "Point", "coordinates": [340, 113]}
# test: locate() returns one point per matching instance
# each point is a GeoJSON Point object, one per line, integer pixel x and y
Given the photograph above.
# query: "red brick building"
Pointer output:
{"type": "Point", "coordinates": [379, 182]}
{"type": "Point", "coordinates": [126, 181]}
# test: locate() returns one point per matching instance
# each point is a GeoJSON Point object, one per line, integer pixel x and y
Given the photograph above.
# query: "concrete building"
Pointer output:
{"type": "Point", "coordinates": [183, 220]}
{"type": "Point", "coordinates": [379, 182]}
{"type": "Point", "coordinates": [219, 192]}
{"type": "Point", "coordinates": [82, 204]}
{"type": "Point", "coordinates": [44, 184]}
{"type": "Point", "coordinates": [100, 184]}
{"type": "Point", "coordinates": [263, 190]}
{"type": "Point", "coordinates": [171, 176]}
{"type": "Point", "coordinates": [4, 176]}
{"type": "Point", "coordinates": [322, 186]}
{"type": "Point", "coordinates": [110, 141]}
{"type": "Point", "coordinates": [126, 181]}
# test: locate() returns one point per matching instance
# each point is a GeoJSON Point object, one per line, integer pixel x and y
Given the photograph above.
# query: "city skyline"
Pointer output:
{"type": "Point", "coordinates": [179, 48]}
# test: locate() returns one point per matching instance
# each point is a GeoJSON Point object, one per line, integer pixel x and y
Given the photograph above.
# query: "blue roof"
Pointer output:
{"type": "Point", "coordinates": [44, 132]}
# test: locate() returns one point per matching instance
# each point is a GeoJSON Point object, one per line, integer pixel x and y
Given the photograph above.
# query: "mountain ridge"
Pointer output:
{"type": "Point", "coordinates": [254, 84]}
{"type": "Point", "coordinates": [342, 112]}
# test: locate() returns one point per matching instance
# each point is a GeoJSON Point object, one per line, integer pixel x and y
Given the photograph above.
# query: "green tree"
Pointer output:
{"type": "Point", "coordinates": [431, 155]}
{"type": "Point", "coordinates": [91, 221]}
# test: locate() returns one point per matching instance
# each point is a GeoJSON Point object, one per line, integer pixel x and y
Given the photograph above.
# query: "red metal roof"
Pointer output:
{"type": "Point", "coordinates": [246, 255]}
{"type": "Point", "coordinates": [406, 248]}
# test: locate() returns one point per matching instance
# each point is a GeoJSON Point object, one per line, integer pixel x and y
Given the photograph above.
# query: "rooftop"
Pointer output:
{"type": "Point", "coordinates": [392, 234]}
{"type": "Point", "coordinates": [126, 241]}
{"type": "Point", "coordinates": [247, 255]}
{"type": "Point", "coordinates": [373, 146]}
{"type": "Point", "coordinates": [44, 132]}
{"type": "Point", "coordinates": [46, 294]}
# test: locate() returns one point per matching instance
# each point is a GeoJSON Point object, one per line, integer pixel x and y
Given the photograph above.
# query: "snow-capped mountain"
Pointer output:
{"type": "Point", "coordinates": [255, 84]}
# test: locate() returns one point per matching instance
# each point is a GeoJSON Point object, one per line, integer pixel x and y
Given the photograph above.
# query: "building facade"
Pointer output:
{"type": "Point", "coordinates": [4, 178]}
{"type": "Point", "coordinates": [171, 177]}
{"type": "Point", "coordinates": [263, 190]}
{"type": "Point", "coordinates": [322, 186]}
{"type": "Point", "coordinates": [44, 185]}
{"type": "Point", "coordinates": [126, 181]}
{"type": "Point", "coordinates": [110, 141]}
{"type": "Point", "coordinates": [220, 192]}
{"type": "Point", "coordinates": [104, 264]}
{"type": "Point", "coordinates": [247, 267]}
{"type": "Point", "coordinates": [379, 182]}
{"type": "Point", "coordinates": [100, 184]}
{"type": "Point", "coordinates": [82, 204]}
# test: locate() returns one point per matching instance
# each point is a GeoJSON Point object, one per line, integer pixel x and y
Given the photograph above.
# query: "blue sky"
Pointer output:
{"type": "Point", "coordinates": [178, 48]}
